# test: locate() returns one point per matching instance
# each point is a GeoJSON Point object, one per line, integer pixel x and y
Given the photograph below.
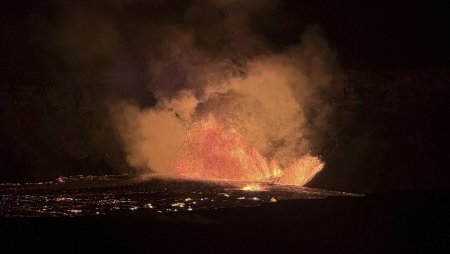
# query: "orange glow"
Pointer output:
{"type": "Point", "coordinates": [212, 152]}
{"type": "Point", "coordinates": [252, 187]}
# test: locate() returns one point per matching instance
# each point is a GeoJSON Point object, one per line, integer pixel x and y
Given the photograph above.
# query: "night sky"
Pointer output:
{"type": "Point", "coordinates": [373, 34]}
{"type": "Point", "coordinates": [58, 59]}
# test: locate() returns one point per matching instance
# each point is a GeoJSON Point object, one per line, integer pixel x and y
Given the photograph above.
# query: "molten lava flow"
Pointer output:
{"type": "Point", "coordinates": [214, 153]}
{"type": "Point", "coordinates": [252, 187]}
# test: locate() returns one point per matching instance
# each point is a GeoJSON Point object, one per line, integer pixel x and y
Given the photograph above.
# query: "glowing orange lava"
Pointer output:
{"type": "Point", "coordinates": [214, 153]}
{"type": "Point", "coordinates": [252, 187]}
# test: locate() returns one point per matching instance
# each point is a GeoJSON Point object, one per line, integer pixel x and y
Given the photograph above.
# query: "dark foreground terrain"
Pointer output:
{"type": "Point", "coordinates": [409, 222]}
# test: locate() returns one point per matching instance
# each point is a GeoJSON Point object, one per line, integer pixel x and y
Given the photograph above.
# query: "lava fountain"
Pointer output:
{"type": "Point", "coordinates": [211, 152]}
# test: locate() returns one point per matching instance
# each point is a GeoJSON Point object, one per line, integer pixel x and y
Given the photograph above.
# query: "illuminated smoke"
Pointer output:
{"type": "Point", "coordinates": [233, 113]}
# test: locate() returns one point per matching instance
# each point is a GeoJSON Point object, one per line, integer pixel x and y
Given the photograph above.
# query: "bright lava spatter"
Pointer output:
{"type": "Point", "coordinates": [211, 152]}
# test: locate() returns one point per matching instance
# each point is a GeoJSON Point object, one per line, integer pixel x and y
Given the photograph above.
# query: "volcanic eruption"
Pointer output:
{"type": "Point", "coordinates": [238, 111]}
{"type": "Point", "coordinates": [250, 126]}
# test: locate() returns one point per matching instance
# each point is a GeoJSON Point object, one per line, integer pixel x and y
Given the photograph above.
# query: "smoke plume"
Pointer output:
{"type": "Point", "coordinates": [216, 64]}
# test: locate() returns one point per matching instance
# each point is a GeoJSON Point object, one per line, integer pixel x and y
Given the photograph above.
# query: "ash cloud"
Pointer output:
{"type": "Point", "coordinates": [214, 61]}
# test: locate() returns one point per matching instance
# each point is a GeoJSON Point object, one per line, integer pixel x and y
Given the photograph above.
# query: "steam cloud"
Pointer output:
{"type": "Point", "coordinates": [214, 63]}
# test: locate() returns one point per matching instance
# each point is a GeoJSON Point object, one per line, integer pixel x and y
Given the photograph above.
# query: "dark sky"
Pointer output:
{"type": "Point", "coordinates": [365, 34]}
{"type": "Point", "coordinates": [382, 33]}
